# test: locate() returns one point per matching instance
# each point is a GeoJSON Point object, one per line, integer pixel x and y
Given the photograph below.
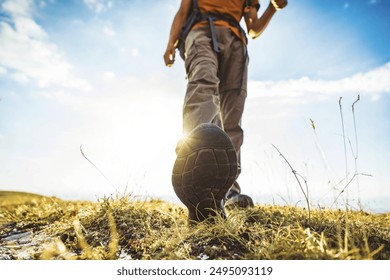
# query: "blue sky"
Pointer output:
{"type": "Point", "coordinates": [91, 73]}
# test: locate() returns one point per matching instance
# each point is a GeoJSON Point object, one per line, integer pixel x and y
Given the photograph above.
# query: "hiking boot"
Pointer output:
{"type": "Point", "coordinates": [235, 199]}
{"type": "Point", "coordinates": [204, 171]}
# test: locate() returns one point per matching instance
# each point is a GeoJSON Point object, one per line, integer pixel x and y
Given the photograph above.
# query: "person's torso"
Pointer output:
{"type": "Point", "coordinates": [232, 9]}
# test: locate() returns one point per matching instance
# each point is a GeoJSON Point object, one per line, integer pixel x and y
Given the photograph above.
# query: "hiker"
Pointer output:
{"type": "Point", "coordinates": [213, 46]}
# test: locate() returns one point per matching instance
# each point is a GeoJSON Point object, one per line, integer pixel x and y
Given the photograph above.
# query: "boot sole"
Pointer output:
{"type": "Point", "coordinates": [205, 169]}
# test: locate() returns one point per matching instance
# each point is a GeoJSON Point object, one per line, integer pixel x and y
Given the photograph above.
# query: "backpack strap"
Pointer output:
{"type": "Point", "coordinates": [196, 16]}
{"type": "Point", "coordinates": [214, 40]}
{"type": "Point", "coordinates": [195, 5]}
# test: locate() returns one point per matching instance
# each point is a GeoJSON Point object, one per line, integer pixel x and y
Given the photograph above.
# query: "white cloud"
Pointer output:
{"type": "Point", "coordinates": [27, 53]}
{"type": "Point", "coordinates": [18, 8]}
{"type": "Point", "coordinates": [109, 76]}
{"type": "Point", "coordinates": [108, 31]}
{"type": "Point", "coordinates": [3, 71]}
{"type": "Point", "coordinates": [98, 6]}
{"type": "Point", "coordinates": [20, 78]}
{"type": "Point", "coordinates": [135, 52]}
{"type": "Point", "coordinates": [372, 83]}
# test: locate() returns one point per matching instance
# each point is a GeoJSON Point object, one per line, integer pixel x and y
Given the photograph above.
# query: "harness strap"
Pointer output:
{"type": "Point", "coordinates": [195, 5]}
{"type": "Point", "coordinates": [213, 35]}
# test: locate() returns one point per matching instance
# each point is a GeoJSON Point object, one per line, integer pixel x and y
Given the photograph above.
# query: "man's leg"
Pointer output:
{"type": "Point", "coordinates": [233, 92]}
{"type": "Point", "coordinates": [232, 86]}
{"type": "Point", "coordinates": [201, 104]}
{"type": "Point", "coordinates": [206, 163]}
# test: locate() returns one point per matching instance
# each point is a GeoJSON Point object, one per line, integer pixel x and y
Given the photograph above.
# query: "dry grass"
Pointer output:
{"type": "Point", "coordinates": [124, 229]}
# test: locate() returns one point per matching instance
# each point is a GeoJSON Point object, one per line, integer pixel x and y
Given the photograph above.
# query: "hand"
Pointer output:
{"type": "Point", "coordinates": [169, 57]}
{"type": "Point", "coordinates": [279, 4]}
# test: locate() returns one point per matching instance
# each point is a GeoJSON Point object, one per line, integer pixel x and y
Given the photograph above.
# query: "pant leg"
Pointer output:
{"type": "Point", "coordinates": [217, 84]}
{"type": "Point", "coordinates": [233, 88]}
{"type": "Point", "coordinates": [233, 91]}
{"type": "Point", "coordinates": [201, 104]}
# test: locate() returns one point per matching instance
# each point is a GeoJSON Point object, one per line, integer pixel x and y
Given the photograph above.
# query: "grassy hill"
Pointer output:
{"type": "Point", "coordinates": [38, 227]}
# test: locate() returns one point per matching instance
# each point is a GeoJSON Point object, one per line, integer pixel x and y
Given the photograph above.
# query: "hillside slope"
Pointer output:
{"type": "Point", "coordinates": [37, 227]}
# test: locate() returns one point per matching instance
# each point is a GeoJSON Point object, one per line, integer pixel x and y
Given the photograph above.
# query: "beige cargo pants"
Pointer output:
{"type": "Point", "coordinates": [217, 83]}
